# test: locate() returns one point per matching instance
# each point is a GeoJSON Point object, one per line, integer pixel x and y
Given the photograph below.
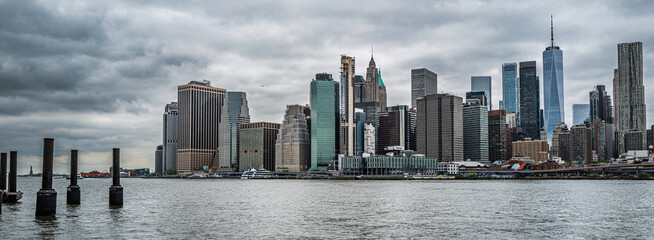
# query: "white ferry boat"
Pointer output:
{"type": "Point", "coordinates": [254, 173]}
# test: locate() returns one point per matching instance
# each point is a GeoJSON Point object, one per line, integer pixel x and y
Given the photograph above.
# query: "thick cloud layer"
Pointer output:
{"type": "Point", "coordinates": [96, 75]}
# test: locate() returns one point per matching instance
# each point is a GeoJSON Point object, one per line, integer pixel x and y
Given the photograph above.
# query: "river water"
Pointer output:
{"type": "Point", "coordinates": [291, 209]}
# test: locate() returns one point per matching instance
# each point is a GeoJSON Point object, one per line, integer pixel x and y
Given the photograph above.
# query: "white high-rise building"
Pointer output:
{"type": "Point", "coordinates": [348, 134]}
{"type": "Point", "coordinates": [169, 150]}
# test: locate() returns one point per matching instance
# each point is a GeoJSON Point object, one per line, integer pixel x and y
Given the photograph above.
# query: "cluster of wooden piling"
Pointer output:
{"type": "Point", "coordinates": [46, 197]}
{"type": "Point", "coordinates": [9, 195]}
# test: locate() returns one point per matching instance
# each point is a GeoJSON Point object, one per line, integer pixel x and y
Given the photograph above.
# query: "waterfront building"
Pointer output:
{"type": "Point", "coordinates": [197, 127]}
{"type": "Point", "coordinates": [499, 136]}
{"type": "Point", "coordinates": [629, 94]}
{"type": "Point", "coordinates": [439, 127]}
{"type": "Point", "coordinates": [292, 149]}
{"type": "Point", "coordinates": [610, 141]}
{"type": "Point", "coordinates": [581, 145]}
{"type": "Point", "coordinates": [534, 149]}
{"type": "Point", "coordinates": [482, 84]}
{"type": "Point", "coordinates": [395, 128]}
{"type": "Point", "coordinates": [633, 139]}
{"type": "Point", "coordinates": [511, 119]}
{"type": "Point", "coordinates": [478, 95]}
{"type": "Point", "coordinates": [371, 111]}
{"type": "Point", "coordinates": [169, 159]}
{"type": "Point", "coordinates": [561, 143]}
{"type": "Point", "coordinates": [580, 113]}
{"type": "Point", "coordinates": [510, 88]}
{"type": "Point", "coordinates": [553, 86]}
{"type": "Point", "coordinates": [359, 89]}
{"type": "Point", "coordinates": [158, 160]}
{"type": "Point", "coordinates": [325, 119]}
{"type": "Point", "coordinates": [369, 138]}
{"type": "Point", "coordinates": [235, 111]}
{"type": "Point", "coordinates": [413, 128]}
{"type": "Point", "coordinates": [423, 83]}
{"type": "Point", "coordinates": [347, 134]}
{"type": "Point", "coordinates": [649, 138]}
{"type": "Point", "coordinates": [376, 90]}
{"type": "Point", "coordinates": [529, 100]}
{"type": "Point", "coordinates": [390, 165]}
{"type": "Point", "coordinates": [541, 122]}
{"type": "Point", "coordinates": [600, 105]}
{"type": "Point", "coordinates": [475, 132]}
{"type": "Point", "coordinates": [603, 139]}
{"type": "Point", "coordinates": [257, 145]}
{"type": "Point", "coordinates": [360, 118]}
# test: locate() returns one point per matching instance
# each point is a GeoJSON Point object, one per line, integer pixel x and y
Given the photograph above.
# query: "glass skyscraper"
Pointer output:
{"type": "Point", "coordinates": [483, 83]}
{"type": "Point", "coordinates": [235, 111]}
{"type": "Point", "coordinates": [580, 112]}
{"type": "Point", "coordinates": [511, 88]}
{"type": "Point", "coordinates": [475, 133]}
{"type": "Point", "coordinates": [553, 87]}
{"type": "Point", "coordinates": [325, 121]}
{"type": "Point", "coordinates": [529, 100]}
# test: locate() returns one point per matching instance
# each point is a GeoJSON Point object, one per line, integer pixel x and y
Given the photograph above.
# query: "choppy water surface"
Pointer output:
{"type": "Point", "coordinates": [256, 209]}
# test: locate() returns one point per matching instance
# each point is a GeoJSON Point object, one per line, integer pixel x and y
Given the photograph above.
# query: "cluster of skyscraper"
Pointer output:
{"type": "Point", "coordinates": [209, 128]}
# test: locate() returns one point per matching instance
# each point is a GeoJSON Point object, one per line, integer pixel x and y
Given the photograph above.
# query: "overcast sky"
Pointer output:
{"type": "Point", "coordinates": [96, 75]}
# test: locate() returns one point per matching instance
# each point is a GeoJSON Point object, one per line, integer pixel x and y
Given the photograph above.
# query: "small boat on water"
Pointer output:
{"type": "Point", "coordinates": [79, 176]}
{"type": "Point", "coordinates": [59, 177]}
{"type": "Point", "coordinates": [254, 173]}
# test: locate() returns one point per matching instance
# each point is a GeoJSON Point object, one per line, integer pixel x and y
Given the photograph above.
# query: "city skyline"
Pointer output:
{"type": "Point", "coordinates": [58, 90]}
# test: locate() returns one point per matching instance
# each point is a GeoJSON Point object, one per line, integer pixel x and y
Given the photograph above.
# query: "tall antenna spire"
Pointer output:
{"type": "Point", "coordinates": [372, 51]}
{"type": "Point", "coordinates": [552, 29]}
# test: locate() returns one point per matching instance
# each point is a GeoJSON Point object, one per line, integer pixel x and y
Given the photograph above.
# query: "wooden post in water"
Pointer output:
{"type": "Point", "coordinates": [3, 171]}
{"type": "Point", "coordinates": [46, 198]}
{"type": "Point", "coordinates": [73, 193]}
{"type": "Point", "coordinates": [116, 191]}
{"type": "Point", "coordinates": [3, 180]}
{"type": "Point", "coordinates": [13, 161]}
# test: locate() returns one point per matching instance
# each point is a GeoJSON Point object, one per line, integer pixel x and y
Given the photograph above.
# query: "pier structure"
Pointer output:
{"type": "Point", "coordinates": [12, 195]}
{"type": "Point", "coordinates": [46, 198]}
{"type": "Point", "coordinates": [73, 191]}
{"type": "Point", "coordinates": [116, 191]}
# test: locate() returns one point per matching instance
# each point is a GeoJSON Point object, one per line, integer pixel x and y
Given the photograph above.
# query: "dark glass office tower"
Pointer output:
{"type": "Point", "coordinates": [529, 100]}
{"type": "Point", "coordinates": [483, 83]}
{"type": "Point", "coordinates": [396, 128]}
{"type": "Point", "coordinates": [359, 89]}
{"type": "Point", "coordinates": [511, 89]}
{"type": "Point", "coordinates": [601, 106]}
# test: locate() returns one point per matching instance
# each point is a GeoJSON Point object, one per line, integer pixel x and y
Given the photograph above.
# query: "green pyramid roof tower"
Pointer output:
{"type": "Point", "coordinates": [381, 83]}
